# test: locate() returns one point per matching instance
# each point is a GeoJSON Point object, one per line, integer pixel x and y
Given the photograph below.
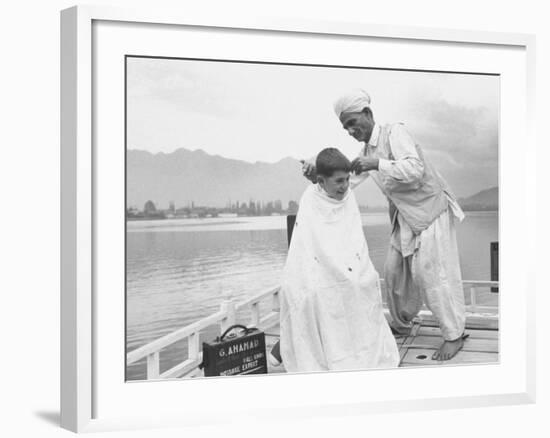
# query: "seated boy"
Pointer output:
{"type": "Point", "coordinates": [331, 307]}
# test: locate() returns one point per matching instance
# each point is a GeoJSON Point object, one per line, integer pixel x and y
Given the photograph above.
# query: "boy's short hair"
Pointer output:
{"type": "Point", "coordinates": [330, 160]}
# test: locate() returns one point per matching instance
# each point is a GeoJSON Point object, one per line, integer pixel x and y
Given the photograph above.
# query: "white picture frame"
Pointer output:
{"type": "Point", "coordinates": [82, 378]}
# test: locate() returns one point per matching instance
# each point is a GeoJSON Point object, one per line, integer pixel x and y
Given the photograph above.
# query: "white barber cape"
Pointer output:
{"type": "Point", "coordinates": [331, 307]}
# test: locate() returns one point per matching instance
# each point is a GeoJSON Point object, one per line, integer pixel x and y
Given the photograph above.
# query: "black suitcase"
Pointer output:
{"type": "Point", "coordinates": [233, 354]}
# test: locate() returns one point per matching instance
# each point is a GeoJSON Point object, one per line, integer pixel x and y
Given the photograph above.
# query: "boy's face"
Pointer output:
{"type": "Point", "coordinates": [336, 185]}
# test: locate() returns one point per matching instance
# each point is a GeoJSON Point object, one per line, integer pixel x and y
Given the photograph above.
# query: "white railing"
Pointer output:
{"type": "Point", "coordinates": [472, 287]}
{"type": "Point", "coordinates": [227, 316]}
{"type": "Point", "coordinates": [253, 305]}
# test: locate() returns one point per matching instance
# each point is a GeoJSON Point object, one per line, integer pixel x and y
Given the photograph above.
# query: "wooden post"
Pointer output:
{"type": "Point", "coordinates": [228, 306]}
{"type": "Point", "coordinates": [255, 314]}
{"type": "Point", "coordinates": [290, 221]}
{"type": "Point", "coordinates": [153, 366]}
{"type": "Point", "coordinates": [193, 346]}
{"type": "Point", "coordinates": [494, 264]}
{"type": "Point", "coordinates": [473, 299]}
{"type": "Point", "coordinates": [276, 305]}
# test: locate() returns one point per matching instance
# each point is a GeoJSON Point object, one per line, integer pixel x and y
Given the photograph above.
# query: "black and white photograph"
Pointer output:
{"type": "Point", "coordinates": [275, 219]}
{"type": "Point", "coordinates": [295, 218]}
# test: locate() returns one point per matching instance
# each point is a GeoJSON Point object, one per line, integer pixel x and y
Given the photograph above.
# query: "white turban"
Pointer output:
{"type": "Point", "coordinates": [352, 102]}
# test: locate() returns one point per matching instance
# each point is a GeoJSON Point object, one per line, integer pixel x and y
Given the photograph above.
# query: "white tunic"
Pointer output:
{"type": "Point", "coordinates": [425, 267]}
{"type": "Point", "coordinates": [331, 307]}
{"type": "Point", "coordinates": [406, 167]}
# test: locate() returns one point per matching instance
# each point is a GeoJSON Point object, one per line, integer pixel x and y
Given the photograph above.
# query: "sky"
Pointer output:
{"type": "Point", "coordinates": [264, 112]}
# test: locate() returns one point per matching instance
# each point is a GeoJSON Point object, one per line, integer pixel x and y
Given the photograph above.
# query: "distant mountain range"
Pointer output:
{"type": "Point", "coordinates": [186, 177]}
{"type": "Point", "coordinates": [484, 200]}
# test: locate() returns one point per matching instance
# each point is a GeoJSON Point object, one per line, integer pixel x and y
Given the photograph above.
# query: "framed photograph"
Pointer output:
{"type": "Point", "coordinates": [256, 208]}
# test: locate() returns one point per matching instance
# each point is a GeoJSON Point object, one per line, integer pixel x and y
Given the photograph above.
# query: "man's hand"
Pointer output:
{"type": "Point", "coordinates": [364, 164]}
{"type": "Point", "coordinates": [308, 170]}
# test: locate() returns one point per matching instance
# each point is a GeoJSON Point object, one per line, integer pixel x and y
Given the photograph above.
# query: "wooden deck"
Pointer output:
{"type": "Point", "coordinates": [417, 348]}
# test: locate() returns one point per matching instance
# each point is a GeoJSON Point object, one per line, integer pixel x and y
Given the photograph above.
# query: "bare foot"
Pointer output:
{"type": "Point", "coordinates": [449, 349]}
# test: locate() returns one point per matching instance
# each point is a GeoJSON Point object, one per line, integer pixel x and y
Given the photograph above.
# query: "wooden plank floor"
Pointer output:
{"type": "Point", "coordinates": [417, 348]}
{"type": "Point", "coordinates": [480, 347]}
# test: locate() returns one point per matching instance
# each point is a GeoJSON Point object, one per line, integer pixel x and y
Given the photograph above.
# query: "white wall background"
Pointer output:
{"type": "Point", "coordinates": [29, 221]}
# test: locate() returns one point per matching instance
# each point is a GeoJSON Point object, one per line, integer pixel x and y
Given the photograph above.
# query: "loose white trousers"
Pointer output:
{"type": "Point", "coordinates": [431, 275]}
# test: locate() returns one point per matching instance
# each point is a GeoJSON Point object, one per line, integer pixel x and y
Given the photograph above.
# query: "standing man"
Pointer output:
{"type": "Point", "coordinates": [423, 261]}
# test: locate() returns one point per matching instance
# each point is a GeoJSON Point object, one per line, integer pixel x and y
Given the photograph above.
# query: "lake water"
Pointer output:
{"type": "Point", "coordinates": [177, 270]}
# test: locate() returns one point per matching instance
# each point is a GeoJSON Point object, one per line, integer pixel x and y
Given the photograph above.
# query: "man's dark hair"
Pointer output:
{"type": "Point", "coordinates": [329, 161]}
